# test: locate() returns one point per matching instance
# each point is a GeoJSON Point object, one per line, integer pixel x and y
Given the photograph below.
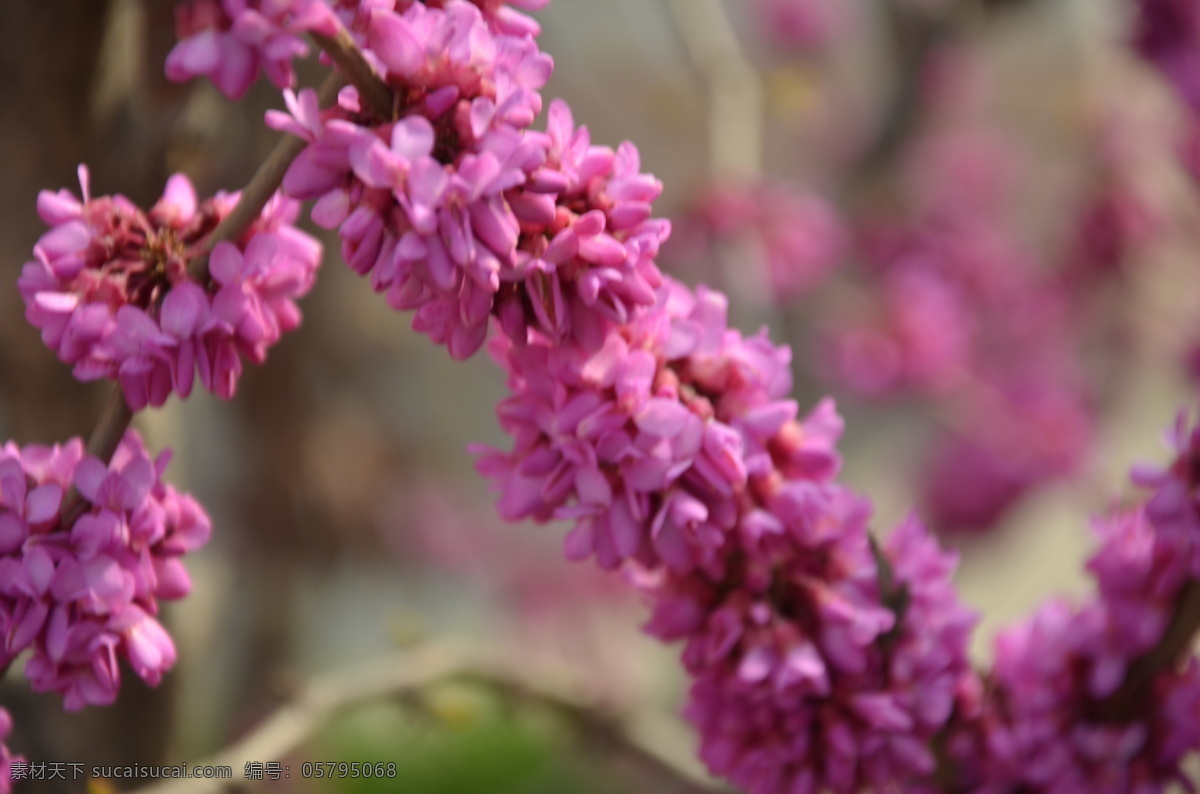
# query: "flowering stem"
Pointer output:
{"type": "Point", "coordinates": [111, 427]}
{"type": "Point", "coordinates": [260, 188]}
{"type": "Point", "coordinates": [893, 595]}
{"type": "Point", "coordinates": [1131, 696]}
{"type": "Point", "coordinates": [266, 180]}
{"type": "Point", "coordinates": [349, 58]}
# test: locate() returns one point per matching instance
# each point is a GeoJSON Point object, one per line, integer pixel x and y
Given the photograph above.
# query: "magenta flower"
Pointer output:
{"type": "Point", "coordinates": [805, 679]}
{"type": "Point", "coordinates": [82, 596]}
{"type": "Point", "coordinates": [109, 289]}
{"type": "Point", "coordinates": [796, 239]}
{"type": "Point", "coordinates": [423, 203]}
{"type": "Point", "coordinates": [457, 210]}
{"type": "Point", "coordinates": [587, 259]}
{"type": "Point", "coordinates": [649, 443]}
{"type": "Point", "coordinates": [1046, 674]}
{"type": "Point", "coordinates": [502, 16]}
{"type": "Point", "coordinates": [1015, 437]}
{"type": "Point", "coordinates": [1046, 722]}
{"type": "Point", "coordinates": [1167, 34]}
{"type": "Point", "coordinates": [230, 41]}
{"type": "Point", "coordinates": [802, 25]}
{"type": "Point", "coordinates": [6, 756]}
{"type": "Point", "coordinates": [916, 334]}
{"type": "Point", "coordinates": [1116, 222]}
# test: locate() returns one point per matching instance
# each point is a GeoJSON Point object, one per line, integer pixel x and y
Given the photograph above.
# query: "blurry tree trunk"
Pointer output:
{"type": "Point", "coordinates": [49, 56]}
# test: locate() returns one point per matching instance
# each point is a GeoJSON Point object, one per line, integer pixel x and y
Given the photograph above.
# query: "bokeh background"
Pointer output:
{"type": "Point", "coordinates": [349, 523]}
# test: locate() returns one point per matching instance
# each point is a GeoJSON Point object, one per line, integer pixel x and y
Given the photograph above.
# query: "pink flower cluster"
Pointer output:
{"type": "Point", "coordinates": [820, 660]}
{"type": "Point", "coordinates": [6, 756]}
{"type": "Point", "coordinates": [1012, 437]}
{"type": "Point", "coordinates": [1043, 725]}
{"type": "Point", "coordinates": [232, 41]}
{"type": "Point", "coordinates": [648, 442]}
{"type": "Point", "coordinates": [806, 677]}
{"type": "Point", "coordinates": [1167, 34]}
{"type": "Point", "coordinates": [456, 209]}
{"type": "Point", "coordinates": [674, 448]}
{"type": "Point", "coordinates": [795, 239]}
{"type": "Point", "coordinates": [502, 15]}
{"type": "Point", "coordinates": [110, 290]}
{"type": "Point", "coordinates": [802, 25]}
{"type": "Point", "coordinates": [81, 596]}
{"type": "Point", "coordinates": [949, 308]}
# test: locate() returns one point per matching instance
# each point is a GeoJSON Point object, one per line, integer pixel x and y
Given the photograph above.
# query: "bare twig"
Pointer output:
{"type": "Point", "coordinates": [916, 33]}
{"type": "Point", "coordinates": [735, 109]}
{"type": "Point", "coordinates": [1131, 696]}
{"type": "Point", "coordinates": [261, 187]}
{"type": "Point", "coordinates": [349, 58]}
{"type": "Point", "coordinates": [115, 419]}
{"type": "Point", "coordinates": [410, 671]}
{"type": "Point", "coordinates": [112, 425]}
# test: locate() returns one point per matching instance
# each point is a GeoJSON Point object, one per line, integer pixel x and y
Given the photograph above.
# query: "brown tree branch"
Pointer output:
{"type": "Point", "coordinates": [345, 53]}
{"type": "Point", "coordinates": [1131, 697]}
{"type": "Point", "coordinates": [407, 673]}
{"type": "Point", "coordinates": [115, 419]}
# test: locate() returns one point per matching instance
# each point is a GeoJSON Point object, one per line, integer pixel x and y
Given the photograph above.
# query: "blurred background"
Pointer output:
{"type": "Point", "coordinates": [973, 220]}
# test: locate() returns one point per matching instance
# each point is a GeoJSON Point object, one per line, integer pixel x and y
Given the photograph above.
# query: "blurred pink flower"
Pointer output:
{"type": "Point", "coordinates": [82, 596]}
{"type": "Point", "coordinates": [1021, 436]}
{"type": "Point", "coordinates": [6, 756]}
{"type": "Point", "coordinates": [802, 25]}
{"type": "Point", "coordinates": [1167, 34]}
{"type": "Point", "coordinates": [458, 210]}
{"type": "Point", "coordinates": [230, 41]}
{"type": "Point", "coordinates": [1042, 723]}
{"type": "Point", "coordinates": [797, 239]}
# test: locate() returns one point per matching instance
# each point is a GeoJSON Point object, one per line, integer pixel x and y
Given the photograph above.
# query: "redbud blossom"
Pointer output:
{"type": "Point", "coordinates": [110, 290]}
{"type": "Point", "coordinates": [1046, 723]}
{"type": "Point", "coordinates": [82, 596]}
{"type": "Point", "coordinates": [6, 756]}
{"type": "Point", "coordinates": [456, 209]}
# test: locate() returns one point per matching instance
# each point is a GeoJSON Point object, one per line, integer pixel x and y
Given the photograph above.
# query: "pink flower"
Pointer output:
{"type": "Point", "coordinates": [230, 41]}
{"type": "Point", "coordinates": [805, 678]}
{"type": "Point", "coordinates": [423, 203]}
{"type": "Point", "coordinates": [6, 756]}
{"type": "Point", "coordinates": [110, 289]}
{"type": "Point", "coordinates": [588, 258]}
{"type": "Point", "coordinates": [504, 18]}
{"type": "Point", "coordinates": [648, 443]}
{"type": "Point", "coordinates": [802, 25]}
{"type": "Point", "coordinates": [796, 239]}
{"type": "Point", "coordinates": [457, 210]}
{"type": "Point", "coordinates": [1046, 723]}
{"type": "Point", "coordinates": [1046, 674]}
{"type": "Point", "coordinates": [1115, 223]}
{"type": "Point", "coordinates": [1167, 34]}
{"type": "Point", "coordinates": [918, 335]}
{"type": "Point", "coordinates": [1022, 436]}
{"type": "Point", "coordinates": [84, 595]}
